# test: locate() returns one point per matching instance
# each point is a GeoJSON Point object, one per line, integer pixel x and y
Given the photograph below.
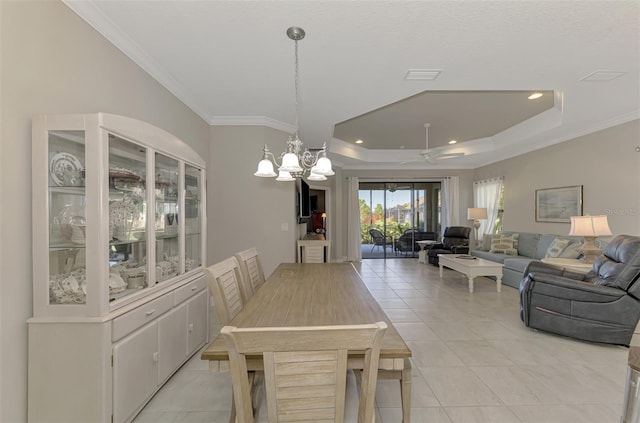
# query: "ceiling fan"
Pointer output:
{"type": "Point", "coordinates": [432, 155]}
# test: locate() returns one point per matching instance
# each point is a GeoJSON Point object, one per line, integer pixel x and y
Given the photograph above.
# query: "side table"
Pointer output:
{"type": "Point", "coordinates": [571, 264]}
{"type": "Point", "coordinates": [422, 254]}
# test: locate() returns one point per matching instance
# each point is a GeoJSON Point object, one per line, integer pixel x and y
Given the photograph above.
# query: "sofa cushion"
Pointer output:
{"type": "Point", "coordinates": [619, 264]}
{"type": "Point", "coordinates": [557, 247]}
{"type": "Point", "coordinates": [498, 258]}
{"type": "Point", "coordinates": [527, 244]}
{"type": "Point", "coordinates": [505, 244]}
{"type": "Point", "coordinates": [486, 242]}
{"type": "Point", "coordinates": [518, 264]}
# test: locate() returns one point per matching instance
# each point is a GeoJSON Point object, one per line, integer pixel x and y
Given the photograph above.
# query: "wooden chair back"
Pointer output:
{"type": "Point", "coordinates": [305, 370]}
{"type": "Point", "coordinates": [251, 268]}
{"type": "Point", "coordinates": [225, 282]}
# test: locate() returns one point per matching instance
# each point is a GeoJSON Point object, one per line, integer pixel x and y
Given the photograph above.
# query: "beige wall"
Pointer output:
{"type": "Point", "coordinates": [605, 163]}
{"type": "Point", "coordinates": [243, 210]}
{"type": "Point", "coordinates": [53, 62]}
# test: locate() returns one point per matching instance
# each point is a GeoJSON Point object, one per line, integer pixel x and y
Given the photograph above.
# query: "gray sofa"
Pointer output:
{"type": "Point", "coordinates": [531, 246]}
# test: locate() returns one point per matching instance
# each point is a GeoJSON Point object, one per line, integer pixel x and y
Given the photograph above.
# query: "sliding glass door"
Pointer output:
{"type": "Point", "coordinates": [394, 215]}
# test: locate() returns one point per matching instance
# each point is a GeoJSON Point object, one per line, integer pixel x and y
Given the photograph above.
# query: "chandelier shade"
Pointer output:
{"type": "Point", "coordinates": [313, 176]}
{"type": "Point", "coordinates": [284, 176]}
{"type": "Point", "coordinates": [265, 167]}
{"type": "Point", "coordinates": [290, 163]}
{"type": "Point", "coordinates": [296, 162]}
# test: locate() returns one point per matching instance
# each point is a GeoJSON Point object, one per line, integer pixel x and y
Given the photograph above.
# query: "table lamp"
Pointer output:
{"type": "Point", "coordinates": [475, 214]}
{"type": "Point", "coordinates": [589, 227]}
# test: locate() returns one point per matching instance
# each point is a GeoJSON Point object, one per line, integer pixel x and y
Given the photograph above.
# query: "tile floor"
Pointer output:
{"type": "Point", "coordinates": [473, 360]}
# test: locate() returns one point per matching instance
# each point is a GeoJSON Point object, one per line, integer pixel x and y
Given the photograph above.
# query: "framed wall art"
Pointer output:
{"type": "Point", "coordinates": [558, 204]}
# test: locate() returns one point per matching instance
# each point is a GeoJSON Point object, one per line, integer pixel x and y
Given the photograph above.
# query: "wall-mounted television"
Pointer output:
{"type": "Point", "coordinates": [304, 205]}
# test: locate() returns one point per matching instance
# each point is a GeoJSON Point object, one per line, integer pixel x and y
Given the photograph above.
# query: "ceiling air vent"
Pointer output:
{"type": "Point", "coordinates": [600, 76]}
{"type": "Point", "coordinates": [422, 74]}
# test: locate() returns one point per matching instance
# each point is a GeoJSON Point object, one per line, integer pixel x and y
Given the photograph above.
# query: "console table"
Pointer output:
{"type": "Point", "coordinates": [313, 251]}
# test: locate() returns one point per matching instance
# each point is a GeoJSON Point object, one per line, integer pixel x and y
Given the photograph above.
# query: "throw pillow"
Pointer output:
{"type": "Point", "coordinates": [557, 247]}
{"type": "Point", "coordinates": [572, 251]}
{"type": "Point", "coordinates": [505, 244]}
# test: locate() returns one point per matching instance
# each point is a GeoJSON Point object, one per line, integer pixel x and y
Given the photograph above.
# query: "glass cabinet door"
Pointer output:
{"type": "Point", "coordinates": [192, 241]}
{"type": "Point", "coordinates": [67, 218]}
{"type": "Point", "coordinates": [127, 218]}
{"type": "Point", "coordinates": [168, 219]}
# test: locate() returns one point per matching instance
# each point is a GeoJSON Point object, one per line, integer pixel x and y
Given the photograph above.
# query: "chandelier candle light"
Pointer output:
{"type": "Point", "coordinates": [590, 227]}
{"type": "Point", "coordinates": [296, 162]}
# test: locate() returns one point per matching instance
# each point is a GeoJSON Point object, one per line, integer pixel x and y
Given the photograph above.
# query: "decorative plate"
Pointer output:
{"type": "Point", "coordinates": [61, 162]}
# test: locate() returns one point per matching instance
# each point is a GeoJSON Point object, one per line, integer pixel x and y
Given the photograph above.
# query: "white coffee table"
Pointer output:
{"type": "Point", "coordinates": [471, 268]}
{"type": "Point", "coordinates": [422, 253]}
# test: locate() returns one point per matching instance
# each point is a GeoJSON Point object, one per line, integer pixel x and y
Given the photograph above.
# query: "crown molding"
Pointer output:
{"type": "Point", "coordinates": [91, 14]}
{"type": "Point", "coordinates": [252, 121]}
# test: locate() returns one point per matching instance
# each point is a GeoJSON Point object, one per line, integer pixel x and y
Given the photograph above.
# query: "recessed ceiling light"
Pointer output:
{"type": "Point", "coordinates": [534, 96]}
{"type": "Point", "coordinates": [359, 141]}
{"type": "Point", "coordinates": [453, 142]}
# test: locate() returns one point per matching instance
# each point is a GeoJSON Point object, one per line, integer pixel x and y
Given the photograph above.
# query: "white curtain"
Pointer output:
{"type": "Point", "coordinates": [487, 194]}
{"type": "Point", "coordinates": [354, 253]}
{"type": "Point", "coordinates": [450, 202]}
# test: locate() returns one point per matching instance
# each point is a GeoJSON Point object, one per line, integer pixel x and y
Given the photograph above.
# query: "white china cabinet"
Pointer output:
{"type": "Point", "coordinates": [119, 296]}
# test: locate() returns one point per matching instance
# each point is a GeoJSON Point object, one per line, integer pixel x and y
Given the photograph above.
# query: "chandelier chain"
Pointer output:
{"type": "Point", "coordinates": [296, 83]}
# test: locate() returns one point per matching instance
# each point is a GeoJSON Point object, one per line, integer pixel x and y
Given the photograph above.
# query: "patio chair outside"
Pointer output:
{"type": "Point", "coordinates": [380, 240]}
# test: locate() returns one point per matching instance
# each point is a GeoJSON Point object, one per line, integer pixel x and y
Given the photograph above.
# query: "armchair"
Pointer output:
{"type": "Point", "coordinates": [380, 239]}
{"type": "Point", "coordinates": [601, 306]}
{"type": "Point", "coordinates": [455, 240]}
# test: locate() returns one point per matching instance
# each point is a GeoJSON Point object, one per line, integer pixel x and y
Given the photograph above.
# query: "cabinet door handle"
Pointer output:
{"type": "Point", "coordinates": [155, 357]}
{"type": "Point", "coordinates": [193, 288]}
{"type": "Point", "coordinates": [150, 312]}
{"type": "Point", "coordinates": [190, 327]}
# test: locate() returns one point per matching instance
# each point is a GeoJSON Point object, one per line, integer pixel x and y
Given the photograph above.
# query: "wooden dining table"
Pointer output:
{"type": "Point", "coordinates": [319, 294]}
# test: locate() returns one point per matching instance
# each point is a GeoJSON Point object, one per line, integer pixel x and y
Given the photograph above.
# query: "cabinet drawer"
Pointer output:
{"type": "Point", "coordinates": [184, 292]}
{"type": "Point", "coordinates": [136, 318]}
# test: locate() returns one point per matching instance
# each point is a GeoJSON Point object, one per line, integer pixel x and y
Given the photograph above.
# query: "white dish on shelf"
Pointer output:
{"type": "Point", "coordinates": [61, 162]}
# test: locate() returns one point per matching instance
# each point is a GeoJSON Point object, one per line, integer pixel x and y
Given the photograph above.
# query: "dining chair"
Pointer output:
{"type": "Point", "coordinates": [305, 370]}
{"type": "Point", "coordinates": [251, 268]}
{"type": "Point", "coordinates": [225, 283]}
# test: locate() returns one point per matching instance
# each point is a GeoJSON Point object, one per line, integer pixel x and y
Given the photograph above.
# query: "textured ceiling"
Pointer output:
{"type": "Point", "coordinates": [231, 62]}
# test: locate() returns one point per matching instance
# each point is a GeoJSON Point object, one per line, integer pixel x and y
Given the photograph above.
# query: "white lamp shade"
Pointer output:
{"type": "Point", "coordinates": [589, 226]}
{"type": "Point", "coordinates": [475, 213]}
{"type": "Point", "coordinates": [316, 176]}
{"type": "Point", "coordinates": [265, 169]}
{"type": "Point", "coordinates": [284, 176]}
{"type": "Point", "coordinates": [290, 163]}
{"type": "Point", "coordinates": [323, 167]}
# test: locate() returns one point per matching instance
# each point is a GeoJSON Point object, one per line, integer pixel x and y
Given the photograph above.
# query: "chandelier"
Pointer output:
{"type": "Point", "coordinates": [296, 162]}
